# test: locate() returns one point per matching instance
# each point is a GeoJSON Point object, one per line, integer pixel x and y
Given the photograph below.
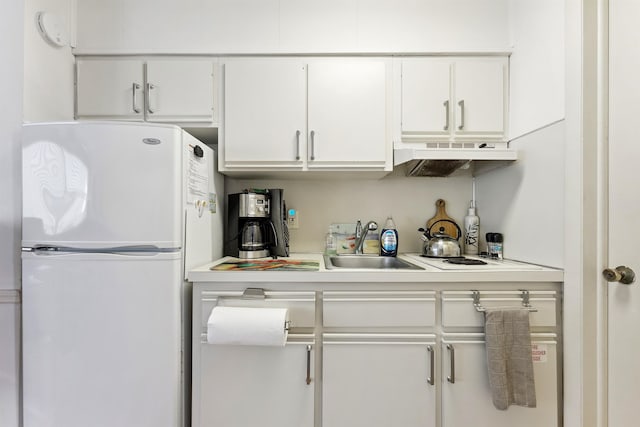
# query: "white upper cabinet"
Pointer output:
{"type": "Point", "coordinates": [298, 114]}
{"type": "Point", "coordinates": [180, 90]}
{"type": "Point", "coordinates": [479, 93]}
{"type": "Point", "coordinates": [264, 113]}
{"type": "Point", "coordinates": [453, 98]}
{"type": "Point", "coordinates": [161, 90]}
{"type": "Point", "coordinates": [347, 113]}
{"type": "Point", "coordinates": [108, 88]}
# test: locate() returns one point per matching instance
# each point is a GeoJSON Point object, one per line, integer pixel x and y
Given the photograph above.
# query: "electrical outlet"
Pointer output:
{"type": "Point", "coordinates": [293, 217]}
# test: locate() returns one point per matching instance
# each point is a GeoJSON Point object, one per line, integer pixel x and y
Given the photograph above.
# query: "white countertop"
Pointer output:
{"type": "Point", "coordinates": [433, 271]}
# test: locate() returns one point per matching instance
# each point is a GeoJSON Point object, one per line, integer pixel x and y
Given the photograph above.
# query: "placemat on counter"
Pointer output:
{"type": "Point", "coordinates": [269, 264]}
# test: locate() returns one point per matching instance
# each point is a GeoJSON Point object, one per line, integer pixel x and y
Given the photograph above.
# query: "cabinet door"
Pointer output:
{"type": "Point", "coordinates": [378, 382]}
{"type": "Point", "coordinates": [179, 90]}
{"type": "Point", "coordinates": [264, 114]}
{"type": "Point", "coordinates": [347, 114]}
{"type": "Point", "coordinates": [470, 389]}
{"type": "Point", "coordinates": [480, 97]}
{"type": "Point", "coordinates": [110, 89]}
{"type": "Point", "coordinates": [425, 104]}
{"type": "Point", "coordinates": [244, 386]}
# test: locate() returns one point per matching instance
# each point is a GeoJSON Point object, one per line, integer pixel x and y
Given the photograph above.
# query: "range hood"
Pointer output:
{"type": "Point", "coordinates": [444, 159]}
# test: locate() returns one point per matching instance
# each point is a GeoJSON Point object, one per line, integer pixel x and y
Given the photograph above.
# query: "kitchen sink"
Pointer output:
{"type": "Point", "coordinates": [368, 262]}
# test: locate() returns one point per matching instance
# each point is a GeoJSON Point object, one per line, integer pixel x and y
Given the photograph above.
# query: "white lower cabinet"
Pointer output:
{"type": "Point", "coordinates": [466, 396]}
{"type": "Point", "coordinates": [257, 386]}
{"type": "Point", "coordinates": [372, 358]}
{"type": "Point", "coordinates": [378, 380]}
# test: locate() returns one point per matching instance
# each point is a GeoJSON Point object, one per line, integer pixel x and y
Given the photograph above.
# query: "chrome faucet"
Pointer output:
{"type": "Point", "coordinates": [362, 234]}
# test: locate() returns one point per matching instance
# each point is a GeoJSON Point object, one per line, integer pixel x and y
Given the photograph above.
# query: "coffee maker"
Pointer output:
{"type": "Point", "coordinates": [256, 224]}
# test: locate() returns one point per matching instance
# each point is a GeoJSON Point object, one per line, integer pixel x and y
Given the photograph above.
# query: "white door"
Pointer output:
{"type": "Point", "coordinates": [101, 340]}
{"type": "Point", "coordinates": [466, 396]}
{"type": "Point", "coordinates": [110, 89]}
{"type": "Point", "coordinates": [378, 383]}
{"type": "Point", "coordinates": [243, 386]}
{"type": "Point", "coordinates": [624, 211]}
{"type": "Point", "coordinates": [480, 86]}
{"type": "Point", "coordinates": [179, 90]}
{"type": "Point", "coordinates": [264, 113]}
{"type": "Point", "coordinates": [98, 184]}
{"type": "Point", "coordinates": [426, 104]}
{"type": "Point", "coordinates": [347, 113]}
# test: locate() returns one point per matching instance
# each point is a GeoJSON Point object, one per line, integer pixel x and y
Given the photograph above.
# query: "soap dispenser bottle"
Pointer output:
{"type": "Point", "coordinates": [389, 239]}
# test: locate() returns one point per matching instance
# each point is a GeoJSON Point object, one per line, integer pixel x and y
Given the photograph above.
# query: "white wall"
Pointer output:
{"type": "Point", "coordinates": [536, 64]}
{"type": "Point", "coordinates": [11, 50]}
{"type": "Point", "coordinates": [410, 200]}
{"type": "Point", "coordinates": [283, 26]}
{"type": "Point", "coordinates": [48, 70]}
{"type": "Point", "coordinates": [525, 201]}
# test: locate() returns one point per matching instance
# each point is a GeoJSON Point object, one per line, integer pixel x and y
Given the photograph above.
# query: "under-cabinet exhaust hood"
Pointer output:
{"type": "Point", "coordinates": [445, 159]}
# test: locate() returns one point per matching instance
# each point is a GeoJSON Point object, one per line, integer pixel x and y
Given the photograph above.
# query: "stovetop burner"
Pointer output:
{"type": "Point", "coordinates": [458, 260]}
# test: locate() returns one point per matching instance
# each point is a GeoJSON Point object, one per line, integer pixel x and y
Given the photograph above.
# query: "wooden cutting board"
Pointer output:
{"type": "Point", "coordinates": [440, 222]}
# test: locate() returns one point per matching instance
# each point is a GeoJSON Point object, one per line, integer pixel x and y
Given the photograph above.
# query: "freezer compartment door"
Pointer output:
{"type": "Point", "coordinates": [98, 184]}
{"type": "Point", "coordinates": [102, 340]}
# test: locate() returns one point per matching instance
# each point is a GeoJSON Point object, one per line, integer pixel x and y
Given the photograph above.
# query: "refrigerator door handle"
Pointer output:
{"type": "Point", "coordinates": [129, 250]}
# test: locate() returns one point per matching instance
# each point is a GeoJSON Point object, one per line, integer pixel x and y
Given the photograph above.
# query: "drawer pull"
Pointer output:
{"type": "Point", "coordinates": [430, 379]}
{"type": "Point", "coordinates": [452, 377]}
{"type": "Point", "coordinates": [308, 364]}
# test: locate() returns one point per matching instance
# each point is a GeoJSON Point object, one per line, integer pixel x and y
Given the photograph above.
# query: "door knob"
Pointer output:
{"type": "Point", "coordinates": [621, 274]}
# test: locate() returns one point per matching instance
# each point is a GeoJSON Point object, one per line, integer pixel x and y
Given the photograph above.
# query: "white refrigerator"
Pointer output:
{"type": "Point", "coordinates": [114, 215]}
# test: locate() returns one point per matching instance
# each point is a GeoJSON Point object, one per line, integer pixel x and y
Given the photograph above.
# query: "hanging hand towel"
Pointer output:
{"type": "Point", "coordinates": [508, 341]}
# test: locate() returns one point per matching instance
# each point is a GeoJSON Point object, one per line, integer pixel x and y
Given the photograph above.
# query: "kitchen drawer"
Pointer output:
{"type": "Point", "coordinates": [458, 307]}
{"type": "Point", "coordinates": [301, 305]}
{"type": "Point", "coordinates": [379, 309]}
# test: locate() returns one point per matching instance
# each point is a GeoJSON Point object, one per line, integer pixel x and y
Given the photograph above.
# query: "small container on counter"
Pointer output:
{"type": "Point", "coordinates": [495, 245]}
{"type": "Point", "coordinates": [331, 243]}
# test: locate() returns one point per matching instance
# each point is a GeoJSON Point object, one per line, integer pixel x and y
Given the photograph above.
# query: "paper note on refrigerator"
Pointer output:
{"type": "Point", "coordinates": [197, 180]}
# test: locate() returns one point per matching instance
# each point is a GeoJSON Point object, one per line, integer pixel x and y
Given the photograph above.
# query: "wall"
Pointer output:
{"type": "Point", "coordinates": [536, 64]}
{"type": "Point", "coordinates": [525, 201]}
{"type": "Point", "coordinates": [411, 202]}
{"type": "Point", "coordinates": [11, 22]}
{"type": "Point", "coordinates": [48, 70]}
{"type": "Point", "coordinates": [283, 26]}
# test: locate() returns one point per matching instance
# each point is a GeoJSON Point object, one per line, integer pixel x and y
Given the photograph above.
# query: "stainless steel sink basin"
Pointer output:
{"type": "Point", "coordinates": [368, 262]}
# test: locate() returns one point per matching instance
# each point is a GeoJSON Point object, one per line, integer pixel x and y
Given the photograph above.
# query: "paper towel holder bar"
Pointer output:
{"type": "Point", "coordinates": [524, 295]}
{"type": "Point", "coordinates": [258, 293]}
{"type": "Point", "coordinates": [253, 293]}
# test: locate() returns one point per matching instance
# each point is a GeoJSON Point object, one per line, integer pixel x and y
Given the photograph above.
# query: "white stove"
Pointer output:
{"type": "Point", "coordinates": [491, 264]}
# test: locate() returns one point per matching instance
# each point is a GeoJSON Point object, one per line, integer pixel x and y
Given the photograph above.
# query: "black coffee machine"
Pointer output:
{"type": "Point", "coordinates": [256, 224]}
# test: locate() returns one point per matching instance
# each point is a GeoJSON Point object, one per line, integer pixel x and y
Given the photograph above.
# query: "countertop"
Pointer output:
{"type": "Point", "coordinates": [496, 271]}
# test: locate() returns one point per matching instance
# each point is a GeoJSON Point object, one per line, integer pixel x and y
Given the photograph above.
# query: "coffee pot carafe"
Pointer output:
{"type": "Point", "coordinates": [252, 240]}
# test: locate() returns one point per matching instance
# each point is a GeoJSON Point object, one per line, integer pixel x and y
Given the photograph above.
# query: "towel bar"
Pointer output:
{"type": "Point", "coordinates": [524, 295]}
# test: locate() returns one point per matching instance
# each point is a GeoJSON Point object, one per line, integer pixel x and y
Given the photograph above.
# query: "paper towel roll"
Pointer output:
{"type": "Point", "coordinates": [247, 326]}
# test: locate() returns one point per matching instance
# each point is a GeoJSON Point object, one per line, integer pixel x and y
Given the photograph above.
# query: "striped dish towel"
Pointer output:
{"type": "Point", "coordinates": [508, 341]}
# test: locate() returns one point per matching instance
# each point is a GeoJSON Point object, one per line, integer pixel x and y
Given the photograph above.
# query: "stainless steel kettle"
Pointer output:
{"type": "Point", "coordinates": [440, 244]}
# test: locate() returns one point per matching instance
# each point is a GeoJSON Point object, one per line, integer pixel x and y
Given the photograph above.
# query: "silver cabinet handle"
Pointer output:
{"type": "Point", "coordinates": [297, 145]}
{"type": "Point", "coordinates": [452, 377]}
{"type": "Point", "coordinates": [446, 112]}
{"type": "Point", "coordinates": [461, 104]}
{"type": "Point", "coordinates": [313, 156]}
{"type": "Point", "coordinates": [135, 88]}
{"type": "Point", "coordinates": [430, 379]}
{"type": "Point", "coordinates": [308, 364]}
{"type": "Point", "coordinates": [149, 88]}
